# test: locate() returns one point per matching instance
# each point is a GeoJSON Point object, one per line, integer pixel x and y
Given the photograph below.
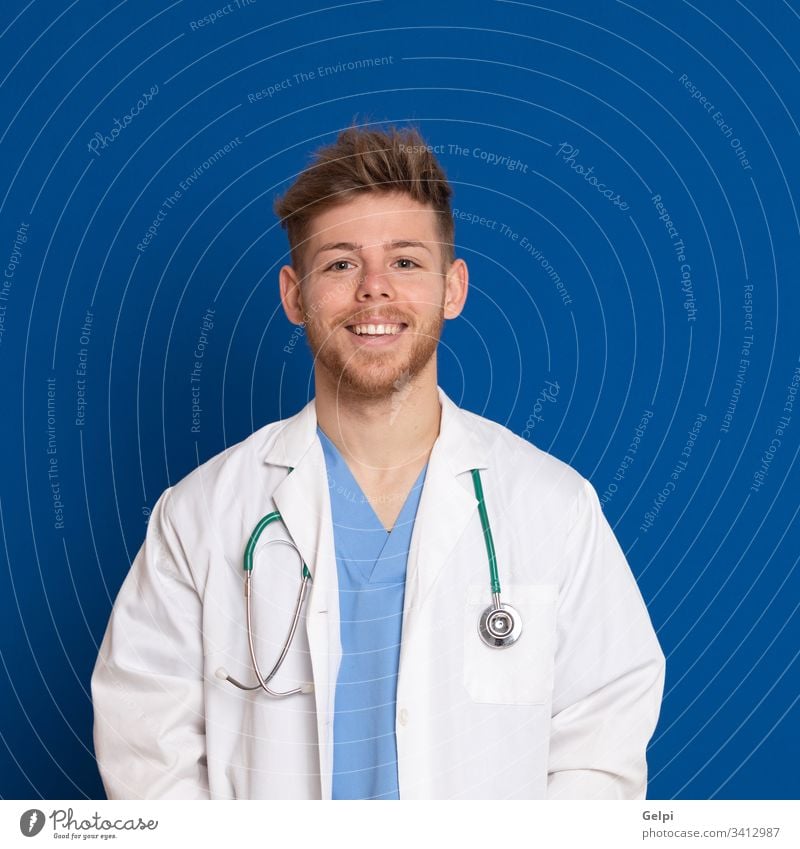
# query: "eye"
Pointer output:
{"type": "Point", "coordinates": [411, 261]}
{"type": "Point", "coordinates": [336, 266]}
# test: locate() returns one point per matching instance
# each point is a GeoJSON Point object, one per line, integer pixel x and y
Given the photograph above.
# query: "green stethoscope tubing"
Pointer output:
{"type": "Point", "coordinates": [249, 553]}
{"type": "Point", "coordinates": [250, 548]}
{"type": "Point", "coordinates": [499, 625]}
{"type": "Point", "coordinates": [487, 533]}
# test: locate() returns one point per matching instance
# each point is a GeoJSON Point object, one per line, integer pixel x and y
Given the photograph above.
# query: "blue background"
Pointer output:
{"type": "Point", "coordinates": [716, 563]}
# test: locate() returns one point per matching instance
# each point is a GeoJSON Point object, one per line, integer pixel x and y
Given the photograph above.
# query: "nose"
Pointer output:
{"type": "Point", "coordinates": [374, 283]}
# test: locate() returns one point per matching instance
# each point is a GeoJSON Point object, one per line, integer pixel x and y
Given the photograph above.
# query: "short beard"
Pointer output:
{"type": "Point", "coordinates": [363, 375]}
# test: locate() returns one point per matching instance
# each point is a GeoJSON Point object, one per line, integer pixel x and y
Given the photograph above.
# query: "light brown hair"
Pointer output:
{"type": "Point", "coordinates": [360, 160]}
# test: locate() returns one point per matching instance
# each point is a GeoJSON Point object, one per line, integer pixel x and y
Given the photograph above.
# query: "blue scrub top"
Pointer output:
{"type": "Point", "coordinates": [371, 567]}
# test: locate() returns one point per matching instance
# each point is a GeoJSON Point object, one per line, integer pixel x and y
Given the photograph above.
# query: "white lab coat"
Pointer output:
{"type": "Point", "coordinates": [566, 712]}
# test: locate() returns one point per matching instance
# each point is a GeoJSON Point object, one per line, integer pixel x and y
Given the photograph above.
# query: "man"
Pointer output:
{"type": "Point", "coordinates": [396, 501]}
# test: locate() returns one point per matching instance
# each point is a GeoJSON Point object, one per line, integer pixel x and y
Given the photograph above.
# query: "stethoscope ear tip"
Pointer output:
{"type": "Point", "coordinates": [307, 688]}
{"type": "Point", "coordinates": [222, 674]}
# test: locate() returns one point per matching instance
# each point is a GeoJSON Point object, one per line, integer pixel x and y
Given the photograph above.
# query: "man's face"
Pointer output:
{"type": "Point", "coordinates": [375, 293]}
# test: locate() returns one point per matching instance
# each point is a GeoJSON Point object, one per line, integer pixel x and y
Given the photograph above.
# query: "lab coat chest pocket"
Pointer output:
{"type": "Point", "coordinates": [522, 673]}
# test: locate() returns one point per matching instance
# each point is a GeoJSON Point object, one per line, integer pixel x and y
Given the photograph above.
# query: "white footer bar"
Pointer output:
{"type": "Point", "coordinates": [402, 825]}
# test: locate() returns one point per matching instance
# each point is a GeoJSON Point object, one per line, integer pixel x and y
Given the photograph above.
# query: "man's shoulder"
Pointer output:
{"type": "Point", "coordinates": [222, 473]}
{"type": "Point", "coordinates": [524, 465]}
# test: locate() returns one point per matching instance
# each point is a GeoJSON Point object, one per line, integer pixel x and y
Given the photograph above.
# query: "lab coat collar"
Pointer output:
{"type": "Point", "coordinates": [457, 441]}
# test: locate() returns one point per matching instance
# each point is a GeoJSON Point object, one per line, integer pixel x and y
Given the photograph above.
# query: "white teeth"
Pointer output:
{"type": "Point", "coordinates": [376, 329]}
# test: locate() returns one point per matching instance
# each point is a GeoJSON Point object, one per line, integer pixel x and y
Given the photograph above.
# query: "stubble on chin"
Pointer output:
{"type": "Point", "coordinates": [374, 374]}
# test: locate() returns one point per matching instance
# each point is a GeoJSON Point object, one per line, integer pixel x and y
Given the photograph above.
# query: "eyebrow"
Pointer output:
{"type": "Point", "coordinates": [353, 246]}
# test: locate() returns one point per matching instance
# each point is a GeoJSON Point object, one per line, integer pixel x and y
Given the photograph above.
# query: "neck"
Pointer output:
{"type": "Point", "coordinates": [381, 434]}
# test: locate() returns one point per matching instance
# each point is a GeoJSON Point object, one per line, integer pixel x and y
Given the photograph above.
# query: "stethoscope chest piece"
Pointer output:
{"type": "Point", "coordinates": [500, 626]}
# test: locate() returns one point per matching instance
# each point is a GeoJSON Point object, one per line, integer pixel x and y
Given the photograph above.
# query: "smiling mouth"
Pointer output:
{"type": "Point", "coordinates": [374, 329]}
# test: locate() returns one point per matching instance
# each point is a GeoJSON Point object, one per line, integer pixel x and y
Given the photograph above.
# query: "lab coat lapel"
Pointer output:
{"type": "Point", "coordinates": [446, 507]}
{"type": "Point", "coordinates": [303, 501]}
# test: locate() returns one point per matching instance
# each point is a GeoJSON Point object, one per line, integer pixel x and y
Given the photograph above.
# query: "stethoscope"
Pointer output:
{"type": "Point", "coordinates": [499, 626]}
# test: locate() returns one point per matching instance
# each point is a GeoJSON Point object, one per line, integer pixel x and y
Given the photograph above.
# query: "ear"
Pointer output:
{"type": "Point", "coordinates": [456, 285]}
{"type": "Point", "coordinates": [290, 294]}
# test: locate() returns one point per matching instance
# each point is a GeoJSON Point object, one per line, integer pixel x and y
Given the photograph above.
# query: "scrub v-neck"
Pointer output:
{"type": "Point", "coordinates": [371, 571]}
{"type": "Point", "coordinates": [376, 554]}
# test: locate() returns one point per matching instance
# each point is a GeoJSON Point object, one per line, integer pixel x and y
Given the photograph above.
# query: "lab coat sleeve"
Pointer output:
{"type": "Point", "coordinates": [609, 668]}
{"type": "Point", "coordinates": [147, 685]}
